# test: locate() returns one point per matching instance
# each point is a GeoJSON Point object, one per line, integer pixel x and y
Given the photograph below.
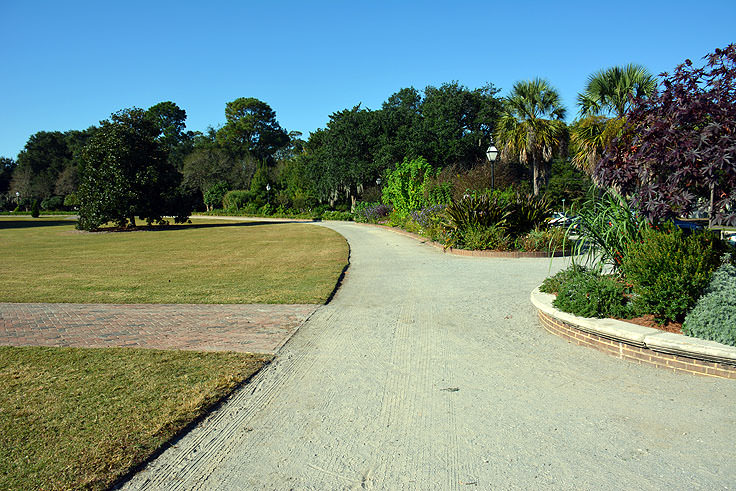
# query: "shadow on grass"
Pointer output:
{"type": "Point", "coordinates": [42, 222]}
{"type": "Point", "coordinates": [190, 226]}
{"type": "Point", "coordinates": [33, 223]}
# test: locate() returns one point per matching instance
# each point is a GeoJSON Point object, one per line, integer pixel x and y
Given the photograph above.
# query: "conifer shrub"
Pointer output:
{"type": "Point", "coordinates": [35, 209]}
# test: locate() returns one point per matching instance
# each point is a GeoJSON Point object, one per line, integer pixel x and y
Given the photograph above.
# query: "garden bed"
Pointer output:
{"type": "Point", "coordinates": [638, 343]}
{"type": "Point", "coordinates": [475, 253]}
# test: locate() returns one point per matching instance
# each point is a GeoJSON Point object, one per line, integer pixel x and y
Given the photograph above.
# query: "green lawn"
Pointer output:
{"type": "Point", "coordinates": [216, 261]}
{"type": "Point", "coordinates": [82, 417]}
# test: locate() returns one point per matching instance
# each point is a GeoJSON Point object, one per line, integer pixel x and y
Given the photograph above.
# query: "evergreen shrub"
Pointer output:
{"type": "Point", "coordinates": [586, 293]}
{"type": "Point", "coordinates": [669, 270]}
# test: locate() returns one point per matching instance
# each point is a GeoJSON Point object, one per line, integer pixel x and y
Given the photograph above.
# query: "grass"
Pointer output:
{"type": "Point", "coordinates": [216, 261]}
{"type": "Point", "coordinates": [81, 417]}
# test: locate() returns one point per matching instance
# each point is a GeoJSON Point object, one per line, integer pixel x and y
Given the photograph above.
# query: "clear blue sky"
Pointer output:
{"type": "Point", "coordinates": [67, 65]}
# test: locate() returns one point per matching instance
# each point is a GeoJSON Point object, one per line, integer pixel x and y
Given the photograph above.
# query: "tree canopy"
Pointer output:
{"type": "Point", "coordinates": [126, 173]}
{"type": "Point", "coordinates": [251, 128]}
{"type": "Point", "coordinates": [677, 151]}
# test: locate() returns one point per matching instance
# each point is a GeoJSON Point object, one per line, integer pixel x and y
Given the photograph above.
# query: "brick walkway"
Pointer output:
{"type": "Point", "coordinates": [256, 328]}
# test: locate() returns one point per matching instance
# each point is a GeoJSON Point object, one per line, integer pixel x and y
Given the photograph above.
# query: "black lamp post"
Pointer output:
{"type": "Point", "coordinates": [492, 154]}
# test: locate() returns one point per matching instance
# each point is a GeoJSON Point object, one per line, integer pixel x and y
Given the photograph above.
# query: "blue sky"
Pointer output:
{"type": "Point", "coordinates": [67, 65]}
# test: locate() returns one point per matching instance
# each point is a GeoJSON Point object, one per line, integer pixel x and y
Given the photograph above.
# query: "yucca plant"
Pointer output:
{"type": "Point", "coordinates": [605, 228]}
{"type": "Point", "coordinates": [473, 212]}
{"type": "Point", "coordinates": [527, 212]}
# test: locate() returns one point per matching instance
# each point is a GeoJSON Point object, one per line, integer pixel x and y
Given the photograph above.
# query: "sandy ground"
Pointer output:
{"type": "Point", "coordinates": [431, 371]}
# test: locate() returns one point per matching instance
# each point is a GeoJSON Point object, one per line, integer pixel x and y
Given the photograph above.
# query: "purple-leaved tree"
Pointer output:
{"type": "Point", "coordinates": [677, 151]}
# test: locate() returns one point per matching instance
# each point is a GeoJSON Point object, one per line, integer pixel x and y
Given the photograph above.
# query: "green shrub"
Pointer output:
{"type": "Point", "coordinates": [397, 219]}
{"type": "Point", "coordinates": [236, 199]}
{"type": "Point", "coordinates": [526, 212]}
{"type": "Point", "coordinates": [214, 195]}
{"type": "Point", "coordinates": [35, 209]}
{"type": "Point", "coordinates": [483, 238]}
{"type": "Point", "coordinates": [669, 270]}
{"type": "Point", "coordinates": [438, 193]}
{"type": "Point", "coordinates": [475, 212]}
{"type": "Point", "coordinates": [588, 294]}
{"type": "Point", "coordinates": [52, 203]}
{"type": "Point", "coordinates": [553, 283]}
{"type": "Point", "coordinates": [714, 315]}
{"type": "Point", "coordinates": [541, 239]}
{"type": "Point", "coordinates": [70, 200]}
{"type": "Point", "coordinates": [337, 215]}
{"type": "Point", "coordinates": [404, 187]}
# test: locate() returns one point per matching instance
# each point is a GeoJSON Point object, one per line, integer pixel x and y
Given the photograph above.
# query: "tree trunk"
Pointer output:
{"type": "Point", "coordinates": [537, 178]}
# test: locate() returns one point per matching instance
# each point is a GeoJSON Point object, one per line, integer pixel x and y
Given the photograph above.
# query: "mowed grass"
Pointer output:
{"type": "Point", "coordinates": [83, 417]}
{"type": "Point", "coordinates": [215, 261]}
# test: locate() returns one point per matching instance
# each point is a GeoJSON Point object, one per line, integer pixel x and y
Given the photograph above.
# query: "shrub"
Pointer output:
{"type": "Point", "coordinates": [541, 239]}
{"type": "Point", "coordinates": [475, 212]}
{"type": "Point", "coordinates": [70, 200]}
{"type": "Point", "coordinates": [337, 215]}
{"type": "Point", "coordinates": [52, 203]}
{"type": "Point", "coordinates": [236, 199]}
{"type": "Point", "coordinates": [482, 238]}
{"type": "Point", "coordinates": [398, 219]}
{"type": "Point", "coordinates": [714, 315]}
{"type": "Point", "coordinates": [214, 195]}
{"type": "Point", "coordinates": [553, 283]}
{"type": "Point", "coordinates": [35, 209]}
{"type": "Point", "coordinates": [670, 270]}
{"type": "Point", "coordinates": [438, 193]}
{"type": "Point", "coordinates": [367, 212]}
{"type": "Point", "coordinates": [404, 186]}
{"type": "Point", "coordinates": [588, 294]}
{"type": "Point", "coordinates": [526, 212]}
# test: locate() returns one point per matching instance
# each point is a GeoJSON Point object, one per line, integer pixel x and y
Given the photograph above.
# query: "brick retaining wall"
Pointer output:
{"type": "Point", "coordinates": [635, 353]}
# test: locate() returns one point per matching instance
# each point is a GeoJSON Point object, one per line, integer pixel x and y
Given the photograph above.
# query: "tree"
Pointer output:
{"type": "Point", "coordinates": [7, 166]}
{"type": "Point", "coordinates": [678, 146]}
{"type": "Point", "coordinates": [608, 92]}
{"type": "Point", "coordinates": [125, 174]}
{"type": "Point", "coordinates": [531, 128]}
{"type": "Point", "coordinates": [457, 124]}
{"type": "Point", "coordinates": [252, 128]}
{"type": "Point", "coordinates": [45, 155]}
{"type": "Point", "coordinates": [205, 167]}
{"type": "Point", "coordinates": [170, 120]}
{"type": "Point", "coordinates": [611, 91]}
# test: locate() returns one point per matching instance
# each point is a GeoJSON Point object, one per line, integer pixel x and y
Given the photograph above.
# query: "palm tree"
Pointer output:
{"type": "Point", "coordinates": [531, 128]}
{"type": "Point", "coordinates": [608, 92]}
{"type": "Point", "coordinates": [611, 91]}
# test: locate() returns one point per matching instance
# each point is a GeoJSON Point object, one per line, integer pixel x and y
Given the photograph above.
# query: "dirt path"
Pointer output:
{"type": "Point", "coordinates": [430, 371]}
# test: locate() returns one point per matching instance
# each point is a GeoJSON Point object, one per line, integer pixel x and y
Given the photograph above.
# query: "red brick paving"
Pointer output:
{"type": "Point", "coordinates": [255, 328]}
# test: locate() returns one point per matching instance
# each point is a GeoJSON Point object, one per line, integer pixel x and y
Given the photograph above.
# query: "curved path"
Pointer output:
{"type": "Point", "coordinates": [431, 371]}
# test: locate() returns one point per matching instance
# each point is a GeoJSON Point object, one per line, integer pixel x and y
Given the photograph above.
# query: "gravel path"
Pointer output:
{"type": "Point", "coordinates": [431, 371]}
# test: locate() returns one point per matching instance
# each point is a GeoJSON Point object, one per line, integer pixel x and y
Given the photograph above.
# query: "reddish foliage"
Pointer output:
{"type": "Point", "coordinates": [680, 143]}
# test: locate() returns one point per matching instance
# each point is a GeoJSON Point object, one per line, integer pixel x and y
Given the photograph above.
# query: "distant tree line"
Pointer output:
{"type": "Point", "coordinates": [143, 163]}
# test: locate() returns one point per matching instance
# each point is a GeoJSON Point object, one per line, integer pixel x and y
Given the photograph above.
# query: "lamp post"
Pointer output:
{"type": "Point", "coordinates": [268, 193]}
{"type": "Point", "coordinates": [492, 154]}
